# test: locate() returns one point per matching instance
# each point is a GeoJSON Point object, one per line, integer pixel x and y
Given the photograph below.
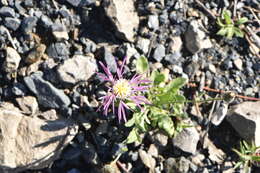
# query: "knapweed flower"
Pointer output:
{"type": "Point", "coordinates": [122, 91]}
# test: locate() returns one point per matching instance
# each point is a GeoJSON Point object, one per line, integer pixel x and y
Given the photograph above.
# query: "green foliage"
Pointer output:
{"type": "Point", "coordinates": [228, 27]}
{"type": "Point", "coordinates": [141, 65]}
{"type": "Point", "coordinates": [247, 155]}
{"type": "Point", "coordinates": [166, 109]}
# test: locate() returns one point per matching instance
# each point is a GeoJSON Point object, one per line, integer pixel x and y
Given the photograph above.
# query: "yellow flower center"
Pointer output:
{"type": "Point", "coordinates": [122, 88]}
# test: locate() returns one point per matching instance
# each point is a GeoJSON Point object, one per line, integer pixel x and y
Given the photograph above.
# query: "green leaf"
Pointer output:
{"type": "Point", "coordinates": [142, 65]}
{"type": "Point", "coordinates": [220, 23]}
{"type": "Point", "coordinates": [222, 31]}
{"type": "Point", "coordinates": [130, 122]}
{"type": "Point", "coordinates": [157, 77]}
{"type": "Point", "coordinates": [133, 136]}
{"type": "Point", "coordinates": [176, 84]}
{"type": "Point", "coordinates": [238, 32]}
{"type": "Point", "coordinates": [166, 124]}
{"type": "Point", "coordinates": [230, 32]}
{"type": "Point", "coordinates": [227, 16]}
{"type": "Point", "coordinates": [242, 20]}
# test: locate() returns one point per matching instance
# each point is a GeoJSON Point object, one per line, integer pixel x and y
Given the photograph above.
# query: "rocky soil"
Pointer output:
{"type": "Point", "coordinates": [49, 90]}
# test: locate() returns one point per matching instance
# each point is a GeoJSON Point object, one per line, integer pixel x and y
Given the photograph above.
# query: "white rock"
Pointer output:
{"type": "Point", "coordinates": [28, 104]}
{"type": "Point", "coordinates": [12, 60]}
{"type": "Point", "coordinates": [29, 142]}
{"type": "Point", "coordinates": [238, 63]}
{"type": "Point", "coordinates": [78, 68]}
{"type": "Point", "coordinates": [124, 17]}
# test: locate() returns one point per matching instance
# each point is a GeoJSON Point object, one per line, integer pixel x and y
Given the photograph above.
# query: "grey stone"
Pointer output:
{"type": "Point", "coordinates": [173, 58]}
{"type": "Point", "coordinates": [187, 140]}
{"type": "Point", "coordinates": [180, 165]}
{"type": "Point", "coordinates": [109, 59]}
{"type": "Point", "coordinates": [47, 95]}
{"type": "Point", "coordinates": [195, 38]}
{"type": "Point", "coordinates": [153, 22]}
{"type": "Point", "coordinates": [12, 60]}
{"type": "Point", "coordinates": [58, 51]}
{"type": "Point", "coordinates": [46, 21]}
{"type": "Point", "coordinates": [159, 52]}
{"type": "Point", "coordinates": [30, 142]}
{"type": "Point", "coordinates": [74, 3]}
{"type": "Point", "coordinates": [78, 68]}
{"type": "Point", "coordinates": [12, 23]}
{"type": "Point", "coordinates": [124, 17]}
{"type": "Point", "coordinates": [28, 24]}
{"type": "Point", "coordinates": [245, 118]}
{"type": "Point", "coordinates": [143, 44]}
{"type": "Point", "coordinates": [7, 12]}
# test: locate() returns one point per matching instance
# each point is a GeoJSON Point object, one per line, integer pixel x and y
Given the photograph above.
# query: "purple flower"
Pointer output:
{"type": "Point", "coordinates": [122, 91]}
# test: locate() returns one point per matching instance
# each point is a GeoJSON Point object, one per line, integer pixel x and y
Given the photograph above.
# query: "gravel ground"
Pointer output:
{"type": "Point", "coordinates": [45, 43]}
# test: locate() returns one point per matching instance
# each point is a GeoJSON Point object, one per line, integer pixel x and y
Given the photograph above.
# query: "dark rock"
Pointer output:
{"type": "Point", "coordinates": [89, 153]}
{"type": "Point", "coordinates": [28, 3]}
{"type": "Point", "coordinates": [73, 170]}
{"type": "Point", "coordinates": [71, 153]}
{"type": "Point", "coordinates": [87, 2]}
{"type": "Point", "coordinates": [28, 24]}
{"type": "Point", "coordinates": [47, 95]}
{"type": "Point", "coordinates": [227, 64]}
{"type": "Point", "coordinates": [58, 51]}
{"type": "Point", "coordinates": [7, 12]}
{"type": "Point", "coordinates": [90, 46]}
{"type": "Point", "coordinates": [109, 59]}
{"type": "Point", "coordinates": [173, 58]}
{"type": "Point", "coordinates": [159, 52]}
{"type": "Point", "coordinates": [46, 21]}
{"type": "Point", "coordinates": [12, 23]}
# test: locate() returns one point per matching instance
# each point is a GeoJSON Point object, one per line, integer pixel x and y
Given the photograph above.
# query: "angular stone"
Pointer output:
{"type": "Point", "coordinates": [245, 118]}
{"type": "Point", "coordinates": [78, 68]}
{"type": "Point", "coordinates": [7, 12]}
{"type": "Point", "coordinates": [12, 60]}
{"type": "Point", "coordinates": [159, 52]}
{"type": "Point", "coordinates": [143, 45]}
{"type": "Point", "coordinates": [28, 104]}
{"type": "Point", "coordinates": [147, 159]}
{"type": "Point", "coordinates": [187, 140]}
{"type": "Point", "coordinates": [29, 142]}
{"type": "Point", "coordinates": [47, 95]}
{"type": "Point", "coordinates": [12, 23]}
{"type": "Point", "coordinates": [153, 22]}
{"type": "Point", "coordinates": [124, 17]}
{"type": "Point", "coordinates": [195, 38]}
{"type": "Point", "coordinates": [35, 54]}
{"type": "Point", "coordinates": [28, 24]}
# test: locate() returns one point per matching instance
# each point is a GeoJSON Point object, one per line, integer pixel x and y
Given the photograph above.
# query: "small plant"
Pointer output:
{"type": "Point", "coordinates": [228, 27]}
{"type": "Point", "coordinates": [165, 110]}
{"type": "Point", "coordinates": [155, 103]}
{"type": "Point", "coordinates": [249, 154]}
